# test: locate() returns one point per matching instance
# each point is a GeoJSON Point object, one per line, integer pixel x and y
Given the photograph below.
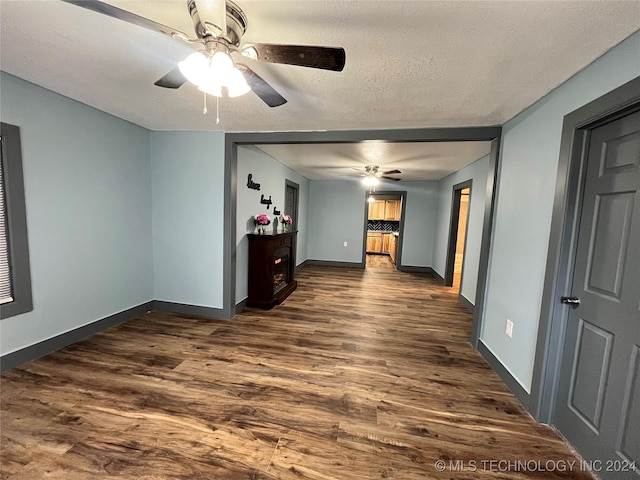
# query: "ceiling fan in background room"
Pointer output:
{"type": "Point", "coordinates": [219, 27]}
{"type": "Point", "coordinates": [372, 175]}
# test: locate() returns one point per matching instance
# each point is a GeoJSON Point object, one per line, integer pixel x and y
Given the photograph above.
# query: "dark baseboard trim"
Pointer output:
{"type": "Point", "coordinates": [438, 277]}
{"type": "Point", "coordinates": [187, 309]}
{"type": "Point", "coordinates": [45, 347]}
{"type": "Point", "coordinates": [302, 265]}
{"type": "Point", "coordinates": [332, 263]}
{"type": "Point", "coordinates": [409, 268]}
{"type": "Point", "coordinates": [504, 374]}
{"type": "Point", "coordinates": [241, 305]}
{"type": "Point", "coordinates": [464, 301]}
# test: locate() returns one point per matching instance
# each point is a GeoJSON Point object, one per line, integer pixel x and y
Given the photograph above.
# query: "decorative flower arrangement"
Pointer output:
{"type": "Point", "coordinates": [286, 219]}
{"type": "Point", "coordinates": [262, 219]}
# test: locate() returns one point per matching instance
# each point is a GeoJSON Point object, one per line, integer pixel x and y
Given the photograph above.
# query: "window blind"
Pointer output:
{"type": "Point", "coordinates": [5, 272]}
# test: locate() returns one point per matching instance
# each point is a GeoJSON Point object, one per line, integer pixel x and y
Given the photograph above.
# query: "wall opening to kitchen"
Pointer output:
{"type": "Point", "coordinates": [383, 229]}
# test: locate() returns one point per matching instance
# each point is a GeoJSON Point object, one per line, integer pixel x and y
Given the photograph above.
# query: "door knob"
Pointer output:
{"type": "Point", "coordinates": [570, 300]}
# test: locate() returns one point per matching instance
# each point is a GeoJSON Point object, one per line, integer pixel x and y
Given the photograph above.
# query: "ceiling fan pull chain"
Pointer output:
{"type": "Point", "coordinates": [217, 113]}
{"type": "Point", "coordinates": [204, 109]}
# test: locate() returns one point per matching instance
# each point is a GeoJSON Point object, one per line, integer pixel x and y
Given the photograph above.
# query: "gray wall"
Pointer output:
{"type": "Point", "coordinates": [529, 158]}
{"type": "Point", "coordinates": [88, 196]}
{"type": "Point", "coordinates": [477, 172]}
{"type": "Point", "coordinates": [336, 210]}
{"type": "Point", "coordinates": [336, 215]}
{"type": "Point", "coordinates": [188, 200]}
{"type": "Point", "coordinates": [271, 175]}
{"type": "Point", "coordinates": [419, 223]}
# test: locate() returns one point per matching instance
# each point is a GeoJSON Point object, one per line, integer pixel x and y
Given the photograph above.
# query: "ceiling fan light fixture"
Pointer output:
{"type": "Point", "coordinates": [210, 74]}
{"type": "Point", "coordinates": [370, 181]}
{"type": "Point", "coordinates": [219, 25]}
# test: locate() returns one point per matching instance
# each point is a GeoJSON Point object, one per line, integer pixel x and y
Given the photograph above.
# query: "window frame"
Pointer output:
{"type": "Point", "coordinates": [16, 214]}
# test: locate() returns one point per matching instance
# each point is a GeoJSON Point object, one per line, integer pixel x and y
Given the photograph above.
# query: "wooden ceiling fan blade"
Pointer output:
{"type": "Point", "coordinates": [115, 12]}
{"type": "Point", "coordinates": [390, 178]}
{"type": "Point", "coordinates": [391, 172]}
{"type": "Point", "coordinates": [173, 79]}
{"type": "Point", "coordinates": [325, 58]}
{"type": "Point", "coordinates": [261, 88]}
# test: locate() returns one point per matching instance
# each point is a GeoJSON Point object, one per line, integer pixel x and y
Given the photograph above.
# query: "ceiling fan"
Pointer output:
{"type": "Point", "coordinates": [372, 175]}
{"type": "Point", "coordinates": [219, 26]}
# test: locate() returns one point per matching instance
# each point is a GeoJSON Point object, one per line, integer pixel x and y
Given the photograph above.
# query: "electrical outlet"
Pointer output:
{"type": "Point", "coordinates": [509, 329]}
{"type": "Point", "coordinates": [345, 244]}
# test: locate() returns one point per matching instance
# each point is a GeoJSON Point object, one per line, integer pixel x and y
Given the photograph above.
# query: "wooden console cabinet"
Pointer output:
{"type": "Point", "coordinates": [272, 266]}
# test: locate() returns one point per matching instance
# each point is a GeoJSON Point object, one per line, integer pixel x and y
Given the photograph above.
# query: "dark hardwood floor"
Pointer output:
{"type": "Point", "coordinates": [360, 374]}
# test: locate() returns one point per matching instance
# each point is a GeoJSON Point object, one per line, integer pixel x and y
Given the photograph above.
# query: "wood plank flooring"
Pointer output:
{"type": "Point", "coordinates": [360, 374]}
{"type": "Point", "coordinates": [379, 261]}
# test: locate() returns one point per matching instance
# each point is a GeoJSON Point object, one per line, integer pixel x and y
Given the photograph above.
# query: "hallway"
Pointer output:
{"type": "Point", "coordinates": [360, 374]}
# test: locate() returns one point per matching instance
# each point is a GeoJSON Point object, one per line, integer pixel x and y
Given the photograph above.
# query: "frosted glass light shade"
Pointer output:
{"type": "Point", "coordinates": [211, 74]}
{"type": "Point", "coordinates": [370, 181]}
{"type": "Point", "coordinates": [221, 62]}
{"type": "Point", "coordinates": [236, 84]}
{"type": "Point", "coordinates": [194, 67]}
{"type": "Point", "coordinates": [216, 75]}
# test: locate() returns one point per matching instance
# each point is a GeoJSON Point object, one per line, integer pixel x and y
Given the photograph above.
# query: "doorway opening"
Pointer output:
{"type": "Point", "coordinates": [384, 225]}
{"type": "Point", "coordinates": [421, 135]}
{"type": "Point", "coordinates": [458, 235]}
{"type": "Point", "coordinates": [461, 240]}
{"type": "Point", "coordinates": [291, 194]}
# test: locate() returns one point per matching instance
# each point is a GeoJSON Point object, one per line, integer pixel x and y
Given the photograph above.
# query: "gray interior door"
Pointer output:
{"type": "Point", "coordinates": [291, 202]}
{"type": "Point", "coordinates": [598, 401]}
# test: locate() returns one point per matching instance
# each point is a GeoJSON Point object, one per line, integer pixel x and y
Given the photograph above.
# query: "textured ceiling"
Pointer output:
{"type": "Point", "coordinates": [409, 63]}
{"type": "Point", "coordinates": [416, 161]}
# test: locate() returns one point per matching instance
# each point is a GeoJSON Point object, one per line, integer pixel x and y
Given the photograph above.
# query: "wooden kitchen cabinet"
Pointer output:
{"type": "Point", "coordinates": [386, 238]}
{"type": "Point", "coordinates": [376, 210]}
{"type": "Point", "coordinates": [393, 248]}
{"type": "Point", "coordinates": [379, 242]}
{"type": "Point", "coordinates": [374, 243]}
{"type": "Point", "coordinates": [392, 209]}
{"type": "Point", "coordinates": [385, 210]}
